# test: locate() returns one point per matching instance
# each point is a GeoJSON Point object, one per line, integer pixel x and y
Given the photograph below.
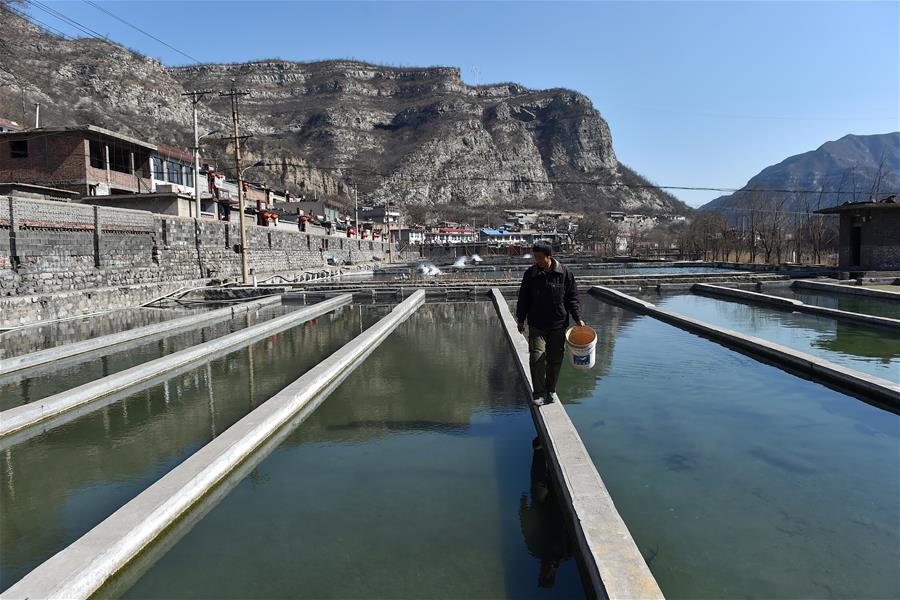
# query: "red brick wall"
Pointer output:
{"type": "Point", "coordinates": [62, 160]}
{"type": "Point", "coordinates": [55, 160]}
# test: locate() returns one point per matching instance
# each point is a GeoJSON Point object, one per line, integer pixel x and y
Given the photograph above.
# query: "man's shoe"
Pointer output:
{"type": "Point", "coordinates": [539, 401]}
{"type": "Point", "coordinates": [552, 397]}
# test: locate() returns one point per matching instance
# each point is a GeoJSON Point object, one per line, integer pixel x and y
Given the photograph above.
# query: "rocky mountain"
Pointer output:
{"type": "Point", "coordinates": [418, 135]}
{"type": "Point", "coordinates": [858, 166]}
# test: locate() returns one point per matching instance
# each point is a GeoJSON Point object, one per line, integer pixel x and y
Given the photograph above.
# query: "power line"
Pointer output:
{"type": "Point", "coordinates": [136, 28]}
{"type": "Point", "coordinates": [62, 17]}
{"type": "Point", "coordinates": [28, 17]}
{"type": "Point", "coordinates": [551, 182]}
{"type": "Point", "coordinates": [351, 170]}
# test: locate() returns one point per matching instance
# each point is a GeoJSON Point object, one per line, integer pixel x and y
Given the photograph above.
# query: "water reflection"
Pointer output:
{"type": "Point", "coordinates": [60, 484]}
{"type": "Point", "coordinates": [872, 350]}
{"type": "Point", "coordinates": [543, 522]}
{"type": "Point", "coordinates": [31, 339]}
{"type": "Point", "coordinates": [866, 305]}
{"type": "Point", "coordinates": [738, 479]}
{"type": "Point", "coordinates": [405, 483]}
{"type": "Point", "coordinates": [43, 381]}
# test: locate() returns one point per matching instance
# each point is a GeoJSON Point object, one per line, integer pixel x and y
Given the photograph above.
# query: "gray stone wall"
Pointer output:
{"type": "Point", "coordinates": [880, 237]}
{"type": "Point", "coordinates": [49, 248]}
{"type": "Point", "coordinates": [882, 240]}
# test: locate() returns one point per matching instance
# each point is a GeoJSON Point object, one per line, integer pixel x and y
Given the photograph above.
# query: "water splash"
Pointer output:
{"type": "Point", "coordinates": [428, 269]}
{"type": "Point", "coordinates": [477, 259]}
{"type": "Point", "coordinates": [460, 262]}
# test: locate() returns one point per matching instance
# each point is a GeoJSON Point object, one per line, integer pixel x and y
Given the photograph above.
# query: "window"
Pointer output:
{"type": "Point", "coordinates": [157, 165]}
{"type": "Point", "coordinates": [173, 171]}
{"type": "Point", "coordinates": [18, 149]}
{"type": "Point", "coordinates": [120, 159]}
{"type": "Point", "coordinates": [97, 154]}
{"type": "Point", "coordinates": [189, 177]}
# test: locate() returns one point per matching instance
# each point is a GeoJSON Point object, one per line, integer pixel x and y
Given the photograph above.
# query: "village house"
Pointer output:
{"type": "Point", "coordinates": [869, 236]}
{"type": "Point", "coordinates": [411, 236]}
{"type": "Point", "coordinates": [445, 236]}
{"type": "Point", "coordinates": [6, 126]}
{"type": "Point", "coordinates": [93, 161]}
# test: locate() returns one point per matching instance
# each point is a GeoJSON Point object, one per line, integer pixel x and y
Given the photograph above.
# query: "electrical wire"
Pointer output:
{"type": "Point", "coordinates": [28, 17]}
{"type": "Point", "coordinates": [62, 17]}
{"type": "Point", "coordinates": [136, 28]}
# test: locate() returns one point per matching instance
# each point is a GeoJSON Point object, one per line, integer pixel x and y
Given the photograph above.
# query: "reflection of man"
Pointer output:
{"type": "Point", "coordinates": [547, 296]}
{"type": "Point", "coordinates": [543, 524]}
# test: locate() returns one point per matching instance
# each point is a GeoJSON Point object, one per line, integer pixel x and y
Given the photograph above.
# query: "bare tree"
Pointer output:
{"type": "Point", "coordinates": [597, 233]}
{"type": "Point", "coordinates": [773, 230]}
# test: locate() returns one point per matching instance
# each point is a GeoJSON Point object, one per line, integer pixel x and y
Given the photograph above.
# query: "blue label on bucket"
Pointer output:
{"type": "Point", "coordinates": [581, 360]}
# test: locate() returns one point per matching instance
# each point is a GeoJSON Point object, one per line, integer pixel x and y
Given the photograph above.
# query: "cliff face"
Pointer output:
{"type": "Point", "coordinates": [418, 135]}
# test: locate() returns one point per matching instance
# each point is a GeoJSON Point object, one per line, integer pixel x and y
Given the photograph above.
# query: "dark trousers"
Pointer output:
{"type": "Point", "coordinates": [545, 356]}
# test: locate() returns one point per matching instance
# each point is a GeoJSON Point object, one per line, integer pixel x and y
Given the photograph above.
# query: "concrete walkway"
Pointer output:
{"type": "Point", "coordinates": [611, 562]}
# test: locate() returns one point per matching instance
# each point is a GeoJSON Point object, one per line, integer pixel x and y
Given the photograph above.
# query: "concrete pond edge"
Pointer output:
{"type": "Point", "coordinates": [34, 413]}
{"type": "Point", "coordinates": [817, 369]}
{"type": "Point", "coordinates": [611, 562]}
{"type": "Point", "coordinates": [845, 288]}
{"type": "Point", "coordinates": [48, 355]}
{"type": "Point", "coordinates": [794, 305]}
{"type": "Point", "coordinates": [83, 567]}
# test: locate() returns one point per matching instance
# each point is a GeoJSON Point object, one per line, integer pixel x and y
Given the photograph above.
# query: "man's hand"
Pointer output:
{"type": "Point", "coordinates": [582, 323]}
{"type": "Point", "coordinates": [520, 327]}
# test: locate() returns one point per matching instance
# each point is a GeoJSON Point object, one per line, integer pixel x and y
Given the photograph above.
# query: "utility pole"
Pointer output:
{"type": "Point", "coordinates": [235, 119]}
{"type": "Point", "coordinates": [196, 97]}
{"type": "Point", "coordinates": [356, 217]}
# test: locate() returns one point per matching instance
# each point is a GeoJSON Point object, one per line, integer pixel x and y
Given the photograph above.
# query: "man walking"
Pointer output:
{"type": "Point", "coordinates": [547, 296]}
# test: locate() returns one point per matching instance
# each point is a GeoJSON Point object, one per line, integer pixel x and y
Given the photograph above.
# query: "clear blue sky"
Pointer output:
{"type": "Point", "coordinates": [697, 94]}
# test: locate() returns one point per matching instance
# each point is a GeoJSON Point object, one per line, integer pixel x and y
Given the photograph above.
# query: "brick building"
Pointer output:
{"type": "Point", "coordinates": [92, 161]}
{"type": "Point", "coordinates": [869, 236]}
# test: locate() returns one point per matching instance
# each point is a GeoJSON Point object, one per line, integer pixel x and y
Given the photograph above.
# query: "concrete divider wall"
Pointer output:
{"type": "Point", "coordinates": [33, 359]}
{"type": "Point", "coordinates": [795, 305]}
{"type": "Point", "coordinates": [611, 563]}
{"type": "Point", "coordinates": [868, 386]}
{"type": "Point", "coordinates": [83, 567]}
{"type": "Point", "coordinates": [32, 414]}
{"type": "Point", "coordinates": [839, 288]}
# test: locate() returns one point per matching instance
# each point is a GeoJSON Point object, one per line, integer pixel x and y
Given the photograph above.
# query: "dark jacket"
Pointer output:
{"type": "Point", "coordinates": [547, 298]}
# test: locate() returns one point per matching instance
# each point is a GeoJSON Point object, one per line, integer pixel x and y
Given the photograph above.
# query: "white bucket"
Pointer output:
{"type": "Point", "coordinates": [581, 356]}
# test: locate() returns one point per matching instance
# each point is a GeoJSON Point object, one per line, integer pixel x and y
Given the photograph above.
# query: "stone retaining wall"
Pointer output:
{"type": "Point", "coordinates": [48, 247]}
{"type": "Point", "coordinates": [52, 248]}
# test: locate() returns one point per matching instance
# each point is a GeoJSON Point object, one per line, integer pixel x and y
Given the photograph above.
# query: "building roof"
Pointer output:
{"type": "Point", "coordinates": [84, 129]}
{"type": "Point", "coordinates": [10, 124]}
{"type": "Point", "coordinates": [496, 232]}
{"type": "Point", "coordinates": [8, 187]}
{"type": "Point", "coordinates": [889, 202]}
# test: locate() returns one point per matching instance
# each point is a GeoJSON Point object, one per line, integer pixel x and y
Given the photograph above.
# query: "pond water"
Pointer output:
{"type": "Point", "coordinates": [413, 480]}
{"type": "Point", "coordinates": [57, 486]}
{"type": "Point", "coordinates": [515, 272]}
{"type": "Point", "coordinates": [869, 349]}
{"type": "Point", "coordinates": [38, 337]}
{"type": "Point", "coordinates": [737, 479]}
{"type": "Point", "coordinates": [39, 382]}
{"type": "Point", "coordinates": [850, 302]}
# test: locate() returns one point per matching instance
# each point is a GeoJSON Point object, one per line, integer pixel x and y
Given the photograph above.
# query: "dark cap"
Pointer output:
{"type": "Point", "coordinates": [543, 247]}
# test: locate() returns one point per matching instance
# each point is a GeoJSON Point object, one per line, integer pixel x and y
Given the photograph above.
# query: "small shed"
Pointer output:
{"type": "Point", "coordinates": [869, 236]}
